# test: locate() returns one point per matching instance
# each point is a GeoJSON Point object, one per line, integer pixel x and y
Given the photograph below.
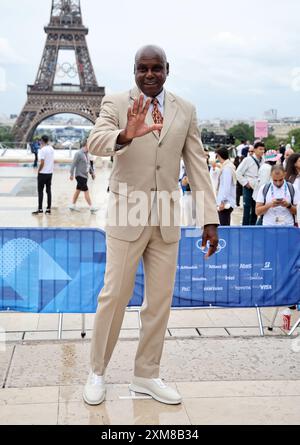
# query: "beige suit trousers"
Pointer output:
{"type": "Point", "coordinates": [160, 261]}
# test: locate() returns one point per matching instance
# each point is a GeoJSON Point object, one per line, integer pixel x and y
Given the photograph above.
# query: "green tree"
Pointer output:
{"type": "Point", "coordinates": [296, 134]}
{"type": "Point", "coordinates": [271, 143]}
{"type": "Point", "coordinates": [242, 131]}
{"type": "Point", "coordinates": [6, 135]}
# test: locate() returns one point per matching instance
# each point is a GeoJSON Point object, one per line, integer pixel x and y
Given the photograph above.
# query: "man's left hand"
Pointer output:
{"type": "Point", "coordinates": [210, 233]}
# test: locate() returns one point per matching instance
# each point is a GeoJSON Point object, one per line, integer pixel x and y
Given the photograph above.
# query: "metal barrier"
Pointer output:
{"type": "Point", "coordinates": [62, 270]}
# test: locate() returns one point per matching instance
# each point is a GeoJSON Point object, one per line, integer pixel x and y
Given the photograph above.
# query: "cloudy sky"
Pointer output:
{"type": "Point", "coordinates": [232, 59]}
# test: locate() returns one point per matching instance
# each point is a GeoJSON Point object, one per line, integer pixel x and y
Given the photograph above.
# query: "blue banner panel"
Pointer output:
{"type": "Point", "coordinates": [51, 270]}
{"type": "Point", "coordinates": [62, 270]}
{"type": "Point", "coordinates": [254, 266]}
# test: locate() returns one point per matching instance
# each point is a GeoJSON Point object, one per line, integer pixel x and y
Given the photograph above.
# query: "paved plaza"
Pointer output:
{"type": "Point", "coordinates": [226, 372]}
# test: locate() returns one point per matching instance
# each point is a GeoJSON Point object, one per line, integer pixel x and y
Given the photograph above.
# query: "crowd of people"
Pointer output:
{"type": "Point", "coordinates": [268, 181]}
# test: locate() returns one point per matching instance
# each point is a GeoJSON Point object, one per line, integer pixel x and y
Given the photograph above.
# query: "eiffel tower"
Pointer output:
{"type": "Point", "coordinates": [65, 82]}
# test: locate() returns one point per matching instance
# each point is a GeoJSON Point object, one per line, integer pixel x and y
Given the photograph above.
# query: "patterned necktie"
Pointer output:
{"type": "Point", "coordinates": [156, 114]}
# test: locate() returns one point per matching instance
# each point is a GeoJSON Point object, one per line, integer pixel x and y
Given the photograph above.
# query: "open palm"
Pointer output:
{"type": "Point", "coordinates": [136, 126]}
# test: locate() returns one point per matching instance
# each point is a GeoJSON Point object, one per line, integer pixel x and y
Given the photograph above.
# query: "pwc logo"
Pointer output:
{"type": "Point", "coordinates": [222, 245]}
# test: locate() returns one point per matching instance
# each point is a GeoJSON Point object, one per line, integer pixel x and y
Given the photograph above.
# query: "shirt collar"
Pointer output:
{"type": "Point", "coordinates": [160, 97]}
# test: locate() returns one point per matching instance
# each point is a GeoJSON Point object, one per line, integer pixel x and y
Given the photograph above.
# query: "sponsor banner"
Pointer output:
{"type": "Point", "coordinates": [252, 266]}
{"type": "Point", "coordinates": [62, 270]}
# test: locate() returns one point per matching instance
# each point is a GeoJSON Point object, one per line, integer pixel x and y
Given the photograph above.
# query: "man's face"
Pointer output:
{"type": "Point", "coordinates": [259, 152]}
{"type": "Point", "coordinates": [278, 179]}
{"type": "Point", "coordinates": [151, 72]}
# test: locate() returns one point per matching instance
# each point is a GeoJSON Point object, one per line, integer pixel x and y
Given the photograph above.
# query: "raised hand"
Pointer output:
{"type": "Point", "coordinates": [136, 126]}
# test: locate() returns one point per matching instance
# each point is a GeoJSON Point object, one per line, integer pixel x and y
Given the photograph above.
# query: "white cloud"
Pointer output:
{"type": "Point", "coordinates": [245, 51]}
{"type": "Point", "coordinates": [228, 39]}
{"type": "Point", "coordinates": [295, 79]}
{"type": "Point", "coordinates": [7, 54]}
{"type": "Point", "coordinates": [3, 85]}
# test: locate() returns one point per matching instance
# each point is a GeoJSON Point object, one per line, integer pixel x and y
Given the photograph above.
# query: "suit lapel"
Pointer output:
{"type": "Point", "coordinates": [134, 94]}
{"type": "Point", "coordinates": [170, 110]}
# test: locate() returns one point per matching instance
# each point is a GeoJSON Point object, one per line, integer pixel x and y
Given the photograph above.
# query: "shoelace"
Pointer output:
{"type": "Point", "coordinates": [160, 383]}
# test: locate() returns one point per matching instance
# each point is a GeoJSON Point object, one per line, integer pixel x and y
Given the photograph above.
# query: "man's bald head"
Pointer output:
{"type": "Point", "coordinates": [150, 52]}
{"type": "Point", "coordinates": [151, 69]}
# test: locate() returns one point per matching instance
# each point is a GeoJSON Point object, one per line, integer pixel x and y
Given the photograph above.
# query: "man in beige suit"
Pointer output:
{"type": "Point", "coordinates": [147, 130]}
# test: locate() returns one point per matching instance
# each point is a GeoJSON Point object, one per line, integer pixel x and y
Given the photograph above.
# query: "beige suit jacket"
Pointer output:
{"type": "Point", "coordinates": [151, 163]}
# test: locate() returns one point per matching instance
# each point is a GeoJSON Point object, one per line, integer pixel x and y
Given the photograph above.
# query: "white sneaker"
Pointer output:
{"type": "Point", "coordinates": [74, 208]}
{"type": "Point", "coordinates": [94, 390]}
{"type": "Point", "coordinates": [156, 389]}
{"type": "Point", "coordinates": [93, 209]}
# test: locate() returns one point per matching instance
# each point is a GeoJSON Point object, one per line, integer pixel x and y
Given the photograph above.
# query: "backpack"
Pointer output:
{"type": "Point", "coordinates": [265, 192]}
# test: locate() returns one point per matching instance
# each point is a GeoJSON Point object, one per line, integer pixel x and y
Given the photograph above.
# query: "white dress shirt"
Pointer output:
{"type": "Point", "coordinates": [227, 187]}
{"type": "Point", "coordinates": [264, 176]}
{"type": "Point", "coordinates": [214, 174]}
{"type": "Point", "coordinates": [247, 171]}
{"type": "Point", "coordinates": [161, 102]}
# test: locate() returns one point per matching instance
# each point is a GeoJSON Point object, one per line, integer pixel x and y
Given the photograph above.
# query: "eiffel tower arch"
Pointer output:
{"type": "Point", "coordinates": [66, 81]}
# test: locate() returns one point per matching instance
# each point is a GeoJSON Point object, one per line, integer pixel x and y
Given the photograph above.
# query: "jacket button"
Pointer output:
{"type": "Point", "coordinates": [158, 167]}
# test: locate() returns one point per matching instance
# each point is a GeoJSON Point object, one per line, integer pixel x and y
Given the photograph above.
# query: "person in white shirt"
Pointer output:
{"type": "Point", "coordinates": [240, 148]}
{"type": "Point", "coordinates": [277, 201]}
{"type": "Point", "coordinates": [45, 172]}
{"type": "Point", "coordinates": [226, 190]}
{"type": "Point", "coordinates": [214, 174]}
{"type": "Point", "coordinates": [247, 175]}
{"type": "Point", "coordinates": [271, 158]}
